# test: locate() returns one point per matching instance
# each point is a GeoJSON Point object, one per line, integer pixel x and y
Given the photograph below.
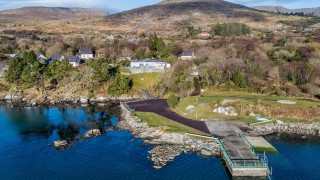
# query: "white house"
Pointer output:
{"type": "Point", "coordinates": [41, 58]}
{"type": "Point", "coordinates": [73, 60]}
{"type": "Point", "coordinates": [85, 53]}
{"type": "Point", "coordinates": [148, 65]}
{"type": "Point", "coordinates": [187, 55]}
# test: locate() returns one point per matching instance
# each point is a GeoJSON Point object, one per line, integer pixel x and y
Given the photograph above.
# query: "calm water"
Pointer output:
{"type": "Point", "coordinates": [24, 152]}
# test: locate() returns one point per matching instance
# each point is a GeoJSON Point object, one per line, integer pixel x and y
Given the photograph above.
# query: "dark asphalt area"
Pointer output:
{"type": "Point", "coordinates": [161, 107]}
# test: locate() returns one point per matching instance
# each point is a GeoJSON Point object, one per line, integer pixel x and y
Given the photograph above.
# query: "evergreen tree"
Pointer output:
{"type": "Point", "coordinates": [238, 79]}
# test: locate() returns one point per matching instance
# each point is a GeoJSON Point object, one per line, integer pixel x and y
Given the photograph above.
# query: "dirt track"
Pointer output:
{"type": "Point", "coordinates": [160, 106]}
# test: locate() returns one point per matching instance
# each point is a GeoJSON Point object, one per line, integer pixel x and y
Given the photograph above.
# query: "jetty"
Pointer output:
{"type": "Point", "coordinates": [238, 153]}
{"type": "Point", "coordinates": [237, 140]}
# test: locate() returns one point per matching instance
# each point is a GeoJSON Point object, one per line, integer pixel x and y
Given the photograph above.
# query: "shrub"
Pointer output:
{"type": "Point", "coordinates": [120, 85]}
{"type": "Point", "coordinates": [238, 79]}
{"type": "Point", "coordinates": [173, 100]}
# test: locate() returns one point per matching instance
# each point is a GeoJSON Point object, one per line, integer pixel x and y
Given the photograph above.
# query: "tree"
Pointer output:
{"type": "Point", "coordinates": [120, 85]}
{"type": "Point", "coordinates": [57, 69]}
{"type": "Point", "coordinates": [173, 100]}
{"type": "Point", "coordinates": [103, 71]}
{"type": "Point", "coordinates": [15, 69]}
{"type": "Point", "coordinates": [238, 79]}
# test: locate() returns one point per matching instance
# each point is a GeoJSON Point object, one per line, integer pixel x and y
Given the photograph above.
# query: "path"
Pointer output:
{"type": "Point", "coordinates": [161, 107]}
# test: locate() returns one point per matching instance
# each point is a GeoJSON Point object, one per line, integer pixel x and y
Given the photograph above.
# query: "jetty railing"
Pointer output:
{"type": "Point", "coordinates": [260, 162]}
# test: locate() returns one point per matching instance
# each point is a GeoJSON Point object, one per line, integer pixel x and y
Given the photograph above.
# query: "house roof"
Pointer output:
{"type": "Point", "coordinates": [85, 51]}
{"type": "Point", "coordinates": [39, 55]}
{"type": "Point", "coordinates": [187, 53]}
{"type": "Point", "coordinates": [75, 59]}
{"type": "Point", "coordinates": [56, 56]}
{"type": "Point", "coordinates": [147, 60]}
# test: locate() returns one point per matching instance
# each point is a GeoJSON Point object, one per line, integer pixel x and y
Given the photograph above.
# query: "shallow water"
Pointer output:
{"type": "Point", "coordinates": [26, 132]}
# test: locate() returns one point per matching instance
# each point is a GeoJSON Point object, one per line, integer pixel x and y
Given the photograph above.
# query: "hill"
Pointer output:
{"type": "Point", "coordinates": [283, 10]}
{"type": "Point", "coordinates": [49, 13]}
{"type": "Point", "coordinates": [174, 13]}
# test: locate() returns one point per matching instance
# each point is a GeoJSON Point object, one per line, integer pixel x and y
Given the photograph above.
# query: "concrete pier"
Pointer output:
{"type": "Point", "coordinates": [240, 157]}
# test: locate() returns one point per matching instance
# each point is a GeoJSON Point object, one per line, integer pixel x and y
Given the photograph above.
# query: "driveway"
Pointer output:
{"type": "Point", "coordinates": [161, 107]}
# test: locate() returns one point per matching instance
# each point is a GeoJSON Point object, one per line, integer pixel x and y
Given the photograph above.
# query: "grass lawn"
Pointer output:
{"type": "Point", "coordinates": [155, 120]}
{"type": "Point", "coordinates": [252, 98]}
{"type": "Point", "coordinates": [144, 80]}
{"type": "Point", "coordinates": [208, 99]}
{"type": "Point", "coordinates": [125, 70]}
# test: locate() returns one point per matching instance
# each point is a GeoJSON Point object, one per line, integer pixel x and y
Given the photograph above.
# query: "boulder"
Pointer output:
{"type": "Point", "coordinates": [205, 152]}
{"type": "Point", "coordinates": [84, 100]}
{"type": "Point", "coordinates": [8, 98]}
{"type": "Point", "coordinates": [60, 143]}
{"type": "Point", "coordinates": [190, 108]}
{"type": "Point", "coordinates": [92, 133]}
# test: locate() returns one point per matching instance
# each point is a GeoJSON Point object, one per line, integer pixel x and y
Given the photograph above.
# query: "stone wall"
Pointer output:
{"type": "Point", "coordinates": [289, 128]}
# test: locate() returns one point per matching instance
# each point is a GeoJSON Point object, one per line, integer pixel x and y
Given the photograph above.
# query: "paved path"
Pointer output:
{"type": "Point", "coordinates": [160, 106]}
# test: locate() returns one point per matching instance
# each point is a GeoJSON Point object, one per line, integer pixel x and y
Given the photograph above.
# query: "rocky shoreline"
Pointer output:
{"type": "Point", "coordinates": [167, 145]}
{"type": "Point", "coordinates": [289, 128]}
{"type": "Point", "coordinates": [22, 101]}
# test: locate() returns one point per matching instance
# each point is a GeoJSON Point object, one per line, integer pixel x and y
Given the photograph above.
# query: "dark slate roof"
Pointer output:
{"type": "Point", "coordinates": [75, 59]}
{"type": "Point", "coordinates": [85, 51]}
{"type": "Point", "coordinates": [56, 56]}
{"type": "Point", "coordinates": [187, 53]}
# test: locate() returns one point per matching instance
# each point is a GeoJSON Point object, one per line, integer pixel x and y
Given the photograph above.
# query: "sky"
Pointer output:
{"type": "Point", "coordinates": [121, 5]}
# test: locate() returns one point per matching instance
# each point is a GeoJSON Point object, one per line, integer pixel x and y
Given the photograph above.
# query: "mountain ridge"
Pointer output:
{"type": "Point", "coordinates": [49, 13]}
{"type": "Point", "coordinates": [284, 10]}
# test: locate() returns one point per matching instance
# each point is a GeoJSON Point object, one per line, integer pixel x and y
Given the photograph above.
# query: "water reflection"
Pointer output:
{"type": "Point", "coordinates": [63, 122]}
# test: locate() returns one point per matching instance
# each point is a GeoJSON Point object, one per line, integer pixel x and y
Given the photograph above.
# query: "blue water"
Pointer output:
{"type": "Point", "coordinates": [26, 132]}
{"type": "Point", "coordinates": [25, 154]}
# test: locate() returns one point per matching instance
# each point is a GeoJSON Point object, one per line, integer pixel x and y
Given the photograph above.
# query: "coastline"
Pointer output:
{"type": "Point", "coordinates": [166, 145]}
{"type": "Point", "coordinates": [303, 129]}
{"type": "Point", "coordinates": [21, 101]}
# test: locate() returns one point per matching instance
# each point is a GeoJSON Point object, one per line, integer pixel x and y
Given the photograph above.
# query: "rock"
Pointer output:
{"type": "Point", "coordinates": [157, 167]}
{"type": "Point", "coordinates": [190, 108]}
{"type": "Point", "coordinates": [92, 133]}
{"type": "Point", "coordinates": [8, 98]}
{"type": "Point", "coordinates": [229, 111]}
{"type": "Point", "coordinates": [84, 100]}
{"type": "Point", "coordinates": [205, 152]}
{"type": "Point", "coordinates": [60, 143]}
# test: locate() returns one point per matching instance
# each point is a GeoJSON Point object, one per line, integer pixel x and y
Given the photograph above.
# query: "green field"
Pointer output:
{"type": "Point", "coordinates": [155, 120]}
{"type": "Point", "coordinates": [144, 80]}
{"type": "Point", "coordinates": [207, 102]}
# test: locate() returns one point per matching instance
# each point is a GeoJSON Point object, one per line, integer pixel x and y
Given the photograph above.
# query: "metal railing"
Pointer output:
{"type": "Point", "coordinates": [261, 161]}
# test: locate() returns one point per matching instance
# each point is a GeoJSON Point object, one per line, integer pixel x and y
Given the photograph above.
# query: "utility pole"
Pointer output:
{"type": "Point", "coordinates": [196, 108]}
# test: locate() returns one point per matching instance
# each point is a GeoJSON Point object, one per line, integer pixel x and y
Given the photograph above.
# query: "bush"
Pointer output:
{"type": "Point", "coordinates": [238, 79]}
{"type": "Point", "coordinates": [173, 100]}
{"type": "Point", "coordinates": [120, 85]}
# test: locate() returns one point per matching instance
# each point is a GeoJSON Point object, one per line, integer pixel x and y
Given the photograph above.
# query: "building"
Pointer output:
{"type": "Point", "coordinates": [148, 65]}
{"type": "Point", "coordinates": [110, 37]}
{"type": "Point", "coordinates": [73, 60]}
{"type": "Point", "coordinates": [187, 55]}
{"type": "Point", "coordinates": [41, 58]}
{"type": "Point", "coordinates": [85, 53]}
{"type": "Point", "coordinates": [204, 34]}
{"type": "Point", "coordinates": [56, 57]}
{"type": "Point", "coordinates": [3, 68]}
